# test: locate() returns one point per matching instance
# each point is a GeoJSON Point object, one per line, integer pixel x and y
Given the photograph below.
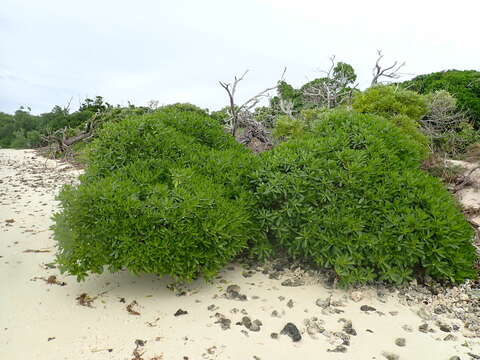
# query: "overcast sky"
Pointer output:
{"type": "Point", "coordinates": [177, 50]}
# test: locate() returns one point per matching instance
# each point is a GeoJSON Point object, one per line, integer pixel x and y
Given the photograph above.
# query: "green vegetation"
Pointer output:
{"type": "Point", "coordinates": [24, 130]}
{"type": "Point", "coordinates": [350, 196]}
{"type": "Point", "coordinates": [168, 191]}
{"type": "Point", "coordinates": [171, 193]}
{"type": "Point", "coordinates": [464, 85]}
{"type": "Point", "coordinates": [161, 195]}
{"type": "Point", "coordinates": [387, 101]}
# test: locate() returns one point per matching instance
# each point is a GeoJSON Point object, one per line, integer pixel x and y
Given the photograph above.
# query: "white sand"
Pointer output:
{"type": "Point", "coordinates": [32, 311]}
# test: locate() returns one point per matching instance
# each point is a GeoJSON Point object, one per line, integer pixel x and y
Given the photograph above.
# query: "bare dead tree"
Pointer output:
{"type": "Point", "coordinates": [236, 111]}
{"type": "Point", "coordinates": [391, 72]}
{"type": "Point", "coordinates": [331, 90]}
{"type": "Point", "coordinates": [62, 143]}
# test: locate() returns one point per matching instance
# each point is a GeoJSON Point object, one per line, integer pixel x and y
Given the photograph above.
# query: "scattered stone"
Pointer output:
{"type": "Point", "coordinates": [248, 273]}
{"type": "Point", "coordinates": [323, 303]}
{"type": "Point", "coordinates": [440, 309]}
{"type": "Point", "coordinates": [444, 327]}
{"type": "Point", "coordinates": [314, 326]}
{"type": "Point", "coordinates": [233, 288]}
{"type": "Point", "coordinates": [139, 342]}
{"type": "Point", "coordinates": [356, 296]}
{"type": "Point", "coordinates": [249, 324]}
{"type": "Point", "coordinates": [292, 331]}
{"type": "Point", "coordinates": [233, 293]}
{"type": "Point", "coordinates": [367, 308]}
{"type": "Point", "coordinates": [293, 282]}
{"type": "Point", "coordinates": [180, 312]}
{"type": "Point", "coordinates": [281, 298]}
{"type": "Point", "coordinates": [348, 328]}
{"type": "Point", "coordinates": [274, 335]}
{"type": "Point", "coordinates": [423, 328]}
{"type": "Point", "coordinates": [370, 331]}
{"type": "Point", "coordinates": [223, 321]}
{"type": "Point", "coordinates": [212, 307]}
{"type": "Point", "coordinates": [455, 357]}
{"type": "Point", "coordinates": [290, 303]}
{"type": "Point", "coordinates": [473, 356]}
{"type": "Point", "coordinates": [255, 326]}
{"type": "Point", "coordinates": [400, 342]}
{"type": "Point", "coordinates": [450, 337]}
{"type": "Point", "coordinates": [393, 313]}
{"type": "Point", "coordinates": [390, 356]}
{"type": "Point", "coordinates": [344, 337]}
{"type": "Point", "coordinates": [275, 314]}
{"type": "Point", "coordinates": [339, 349]}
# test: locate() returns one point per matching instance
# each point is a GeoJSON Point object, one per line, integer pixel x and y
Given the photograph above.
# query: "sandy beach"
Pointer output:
{"type": "Point", "coordinates": [47, 316]}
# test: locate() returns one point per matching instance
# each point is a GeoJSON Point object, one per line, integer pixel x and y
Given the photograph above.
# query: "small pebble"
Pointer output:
{"type": "Point", "coordinates": [339, 349]}
{"type": "Point", "coordinates": [400, 342]}
{"type": "Point", "coordinates": [390, 356]}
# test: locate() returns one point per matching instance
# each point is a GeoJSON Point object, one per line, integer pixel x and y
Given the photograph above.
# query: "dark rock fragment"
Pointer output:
{"type": "Point", "coordinates": [367, 308]}
{"type": "Point", "coordinates": [180, 312]}
{"type": "Point", "coordinates": [291, 330]}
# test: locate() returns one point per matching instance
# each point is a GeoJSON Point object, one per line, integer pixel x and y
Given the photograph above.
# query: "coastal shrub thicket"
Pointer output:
{"type": "Point", "coordinates": [161, 194]}
{"type": "Point", "coordinates": [170, 192]}
{"type": "Point", "coordinates": [463, 84]}
{"type": "Point", "coordinates": [350, 196]}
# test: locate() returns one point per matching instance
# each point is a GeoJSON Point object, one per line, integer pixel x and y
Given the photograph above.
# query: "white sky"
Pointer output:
{"type": "Point", "coordinates": [177, 50]}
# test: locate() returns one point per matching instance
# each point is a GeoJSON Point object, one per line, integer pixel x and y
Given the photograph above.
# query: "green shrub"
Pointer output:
{"type": "Point", "coordinates": [286, 127]}
{"type": "Point", "coordinates": [154, 199]}
{"type": "Point", "coordinates": [464, 85]}
{"type": "Point", "coordinates": [350, 196]}
{"type": "Point", "coordinates": [411, 128]}
{"type": "Point", "coordinates": [388, 101]}
{"type": "Point", "coordinates": [178, 136]}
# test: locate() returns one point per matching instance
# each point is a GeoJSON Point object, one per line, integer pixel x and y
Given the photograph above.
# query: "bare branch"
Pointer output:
{"type": "Point", "coordinates": [234, 110]}
{"type": "Point", "coordinates": [391, 72]}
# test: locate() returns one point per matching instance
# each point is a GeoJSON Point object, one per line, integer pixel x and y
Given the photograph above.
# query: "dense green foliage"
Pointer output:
{"type": "Point", "coordinates": [170, 192]}
{"type": "Point", "coordinates": [350, 196]}
{"type": "Point", "coordinates": [464, 85]}
{"type": "Point", "coordinates": [24, 130]}
{"type": "Point", "coordinates": [161, 195]}
{"type": "Point", "coordinates": [403, 107]}
{"type": "Point", "coordinates": [388, 101]}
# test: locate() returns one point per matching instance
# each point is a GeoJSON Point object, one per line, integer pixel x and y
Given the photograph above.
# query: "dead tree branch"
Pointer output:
{"type": "Point", "coordinates": [391, 72]}
{"type": "Point", "coordinates": [235, 111]}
